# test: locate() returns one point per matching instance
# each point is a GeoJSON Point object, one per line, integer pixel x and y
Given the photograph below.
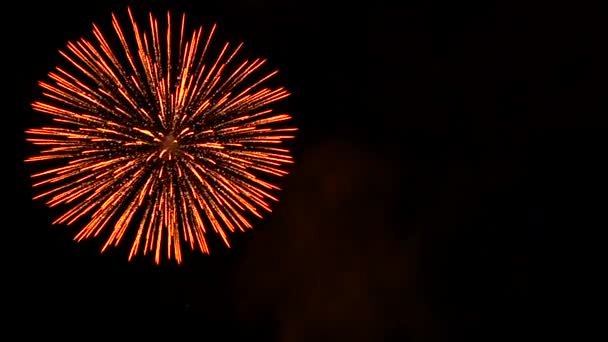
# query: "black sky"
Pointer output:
{"type": "Point", "coordinates": [437, 150]}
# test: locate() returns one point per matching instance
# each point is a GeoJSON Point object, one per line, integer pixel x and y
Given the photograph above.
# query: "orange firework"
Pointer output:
{"type": "Point", "coordinates": [162, 138]}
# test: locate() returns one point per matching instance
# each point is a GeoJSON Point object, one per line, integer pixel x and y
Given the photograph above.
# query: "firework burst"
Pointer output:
{"type": "Point", "coordinates": [157, 137]}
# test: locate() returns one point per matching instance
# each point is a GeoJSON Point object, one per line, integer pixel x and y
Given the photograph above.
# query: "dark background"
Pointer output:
{"type": "Point", "coordinates": [441, 146]}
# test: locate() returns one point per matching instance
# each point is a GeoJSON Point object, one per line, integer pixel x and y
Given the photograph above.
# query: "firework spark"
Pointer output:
{"type": "Point", "coordinates": [157, 137]}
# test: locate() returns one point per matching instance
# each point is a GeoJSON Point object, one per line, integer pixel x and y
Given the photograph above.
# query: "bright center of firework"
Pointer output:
{"type": "Point", "coordinates": [169, 143]}
{"type": "Point", "coordinates": [169, 146]}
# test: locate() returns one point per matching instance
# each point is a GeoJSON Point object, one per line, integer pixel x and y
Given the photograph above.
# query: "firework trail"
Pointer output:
{"type": "Point", "coordinates": [156, 137]}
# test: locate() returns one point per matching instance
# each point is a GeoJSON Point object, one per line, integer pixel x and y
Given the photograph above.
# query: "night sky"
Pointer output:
{"type": "Point", "coordinates": [438, 144]}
